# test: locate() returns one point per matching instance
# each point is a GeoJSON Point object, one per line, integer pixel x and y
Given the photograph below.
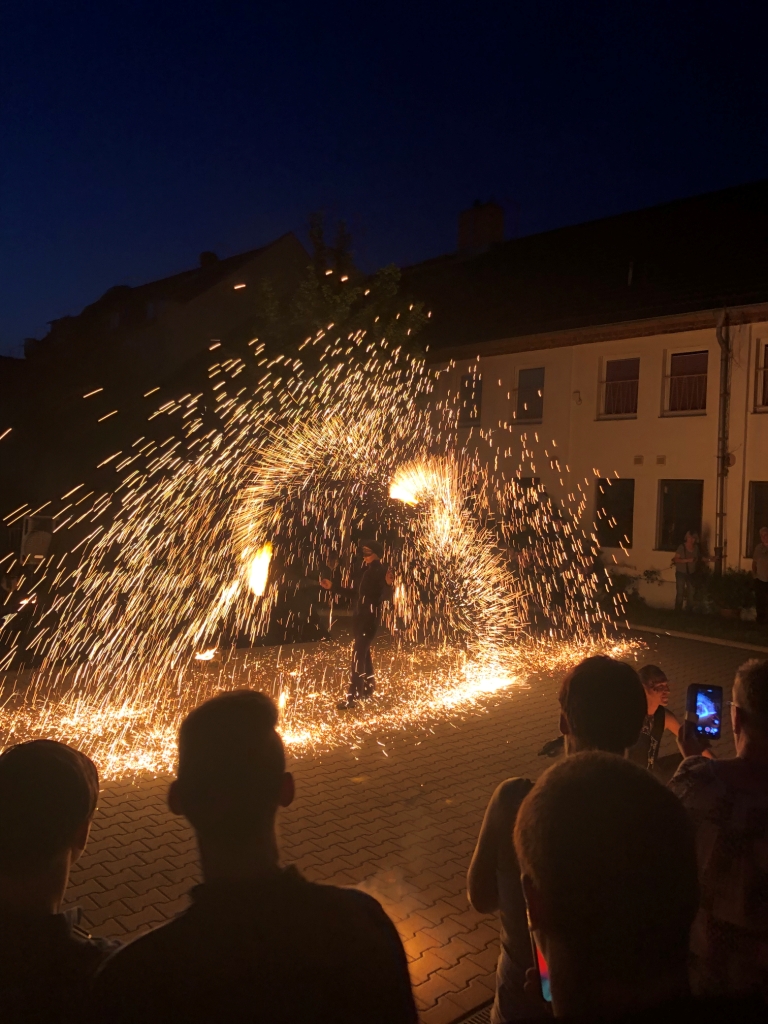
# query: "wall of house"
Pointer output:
{"type": "Point", "coordinates": [650, 446]}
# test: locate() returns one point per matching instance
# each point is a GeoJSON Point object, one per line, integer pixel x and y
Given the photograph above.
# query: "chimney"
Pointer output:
{"type": "Point", "coordinates": [480, 227]}
{"type": "Point", "coordinates": [207, 259]}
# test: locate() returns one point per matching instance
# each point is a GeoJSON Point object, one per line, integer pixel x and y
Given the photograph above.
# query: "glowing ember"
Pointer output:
{"type": "Point", "coordinates": [206, 655]}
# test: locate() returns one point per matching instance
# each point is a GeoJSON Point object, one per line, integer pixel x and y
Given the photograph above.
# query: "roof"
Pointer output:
{"type": "Point", "coordinates": [702, 253]}
{"type": "Point", "coordinates": [181, 287]}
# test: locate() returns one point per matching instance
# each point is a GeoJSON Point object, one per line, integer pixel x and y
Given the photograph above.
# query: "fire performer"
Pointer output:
{"type": "Point", "coordinates": [375, 587]}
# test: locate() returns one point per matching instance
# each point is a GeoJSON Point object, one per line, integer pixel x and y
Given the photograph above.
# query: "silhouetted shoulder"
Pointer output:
{"type": "Point", "coordinates": [47, 965]}
{"type": "Point", "coordinates": [509, 795]}
{"type": "Point", "coordinates": [280, 949]}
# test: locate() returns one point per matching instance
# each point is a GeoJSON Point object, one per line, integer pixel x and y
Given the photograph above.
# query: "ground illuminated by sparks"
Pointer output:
{"type": "Point", "coordinates": [214, 537]}
{"type": "Point", "coordinates": [418, 686]}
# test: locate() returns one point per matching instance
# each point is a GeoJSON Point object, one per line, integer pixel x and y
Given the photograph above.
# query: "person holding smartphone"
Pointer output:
{"type": "Point", "coordinates": [727, 801]}
{"type": "Point", "coordinates": [602, 707]}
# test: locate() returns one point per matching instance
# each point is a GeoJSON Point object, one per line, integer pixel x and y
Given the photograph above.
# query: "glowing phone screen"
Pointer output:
{"type": "Point", "coordinates": [544, 974]}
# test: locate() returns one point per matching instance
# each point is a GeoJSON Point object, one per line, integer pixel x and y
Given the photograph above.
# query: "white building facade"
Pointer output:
{"type": "Point", "coordinates": [636, 403]}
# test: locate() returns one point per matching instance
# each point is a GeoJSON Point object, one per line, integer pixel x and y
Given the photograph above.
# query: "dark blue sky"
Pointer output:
{"type": "Point", "coordinates": [136, 134]}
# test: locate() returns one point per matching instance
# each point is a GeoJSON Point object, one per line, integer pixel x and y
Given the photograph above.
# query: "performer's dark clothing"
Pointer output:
{"type": "Point", "coordinates": [373, 590]}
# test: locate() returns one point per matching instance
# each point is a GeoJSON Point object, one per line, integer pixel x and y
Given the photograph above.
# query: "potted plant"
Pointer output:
{"type": "Point", "coordinates": [730, 591]}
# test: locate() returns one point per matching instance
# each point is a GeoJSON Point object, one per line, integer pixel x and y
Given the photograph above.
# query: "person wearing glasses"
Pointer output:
{"type": "Point", "coordinates": [646, 751]}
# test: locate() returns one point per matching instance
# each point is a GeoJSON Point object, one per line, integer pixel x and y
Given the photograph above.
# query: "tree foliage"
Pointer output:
{"type": "Point", "coordinates": [334, 295]}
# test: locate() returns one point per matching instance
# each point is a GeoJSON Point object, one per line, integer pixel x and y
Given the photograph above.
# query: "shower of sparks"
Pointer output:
{"type": "Point", "coordinates": [195, 544]}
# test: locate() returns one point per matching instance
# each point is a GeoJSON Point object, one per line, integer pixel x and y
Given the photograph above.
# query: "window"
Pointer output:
{"type": "Point", "coordinates": [761, 389]}
{"type": "Point", "coordinates": [687, 382]}
{"type": "Point", "coordinates": [680, 504]}
{"type": "Point", "coordinates": [615, 512]}
{"type": "Point", "coordinates": [527, 483]}
{"type": "Point", "coordinates": [471, 400]}
{"type": "Point", "coordinates": [620, 387]}
{"type": "Point", "coordinates": [758, 513]}
{"type": "Point", "coordinates": [530, 394]}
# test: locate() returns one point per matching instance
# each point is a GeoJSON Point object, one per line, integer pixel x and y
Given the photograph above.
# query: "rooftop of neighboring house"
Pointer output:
{"type": "Point", "coordinates": [691, 255]}
{"type": "Point", "coordinates": [123, 306]}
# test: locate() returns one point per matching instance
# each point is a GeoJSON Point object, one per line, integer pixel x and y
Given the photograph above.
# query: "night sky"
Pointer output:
{"type": "Point", "coordinates": [135, 135]}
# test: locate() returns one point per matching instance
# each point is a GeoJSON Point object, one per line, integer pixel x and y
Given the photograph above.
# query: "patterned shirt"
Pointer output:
{"type": "Point", "coordinates": [728, 805]}
{"type": "Point", "coordinates": [646, 749]}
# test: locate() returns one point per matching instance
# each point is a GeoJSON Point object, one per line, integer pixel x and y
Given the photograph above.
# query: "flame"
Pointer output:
{"type": "Point", "coordinates": [206, 655]}
{"type": "Point", "coordinates": [259, 569]}
{"type": "Point", "coordinates": [412, 483]}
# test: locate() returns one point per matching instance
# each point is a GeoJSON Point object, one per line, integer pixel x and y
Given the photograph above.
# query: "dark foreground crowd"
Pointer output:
{"type": "Point", "coordinates": [648, 902]}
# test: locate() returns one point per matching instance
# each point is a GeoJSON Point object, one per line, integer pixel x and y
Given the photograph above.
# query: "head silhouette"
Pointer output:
{"type": "Point", "coordinates": [603, 705]}
{"type": "Point", "coordinates": [48, 794]}
{"type": "Point", "coordinates": [231, 776]}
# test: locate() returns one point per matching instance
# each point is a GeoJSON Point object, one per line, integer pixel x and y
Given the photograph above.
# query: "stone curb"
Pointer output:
{"type": "Point", "coordinates": [697, 636]}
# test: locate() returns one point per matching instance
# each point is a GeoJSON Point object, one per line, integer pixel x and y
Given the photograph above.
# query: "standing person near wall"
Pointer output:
{"type": "Point", "coordinates": [687, 562]}
{"type": "Point", "coordinates": [760, 573]}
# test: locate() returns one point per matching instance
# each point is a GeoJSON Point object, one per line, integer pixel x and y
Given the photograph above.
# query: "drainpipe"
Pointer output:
{"type": "Point", "coordinates": [724, 341]}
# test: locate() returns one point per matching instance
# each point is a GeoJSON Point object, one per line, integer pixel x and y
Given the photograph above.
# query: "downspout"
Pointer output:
{"type": "Point", "coordinates": [724, 341]}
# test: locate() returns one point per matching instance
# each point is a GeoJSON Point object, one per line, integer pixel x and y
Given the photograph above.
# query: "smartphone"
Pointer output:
{"type": "Point", "coordinates": [541, 966]}
{"type": "Point", "coordinates": [704, 707]}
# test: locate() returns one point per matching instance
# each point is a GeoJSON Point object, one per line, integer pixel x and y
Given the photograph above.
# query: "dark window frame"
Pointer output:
{"type": "Point", "coordinates": [688, 521]}
{"type": "Point", "coordinates": [620, 495]}
{"type": "Point", "coordinates": [530, 395]}
{"type": "Point", "coordinates": [761, 377]}
{"type": "Point", "coordinates": [618, 396]}
{"type": "Point", "coordinates": [753, 526]}
{"type": "Point", "coordinates": [686, 393]}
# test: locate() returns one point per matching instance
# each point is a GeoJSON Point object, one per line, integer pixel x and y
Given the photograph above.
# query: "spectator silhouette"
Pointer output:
{"type": "Point", "coordinates": [728, 803]}
{"type": "Point", "coordinates": [609, 873]}
{"type": "Point", "coordinates": [48, 794]}
{"type": "Point", "coordinates": [602, 707]}
{"type": "Point", "coordinates": [258, 942]}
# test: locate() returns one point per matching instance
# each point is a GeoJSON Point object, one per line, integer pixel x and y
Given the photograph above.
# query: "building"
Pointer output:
{"type": "Point", "coordinates": [605, 338]}
{"type": "Point", "coordinates": [148, 332]}
{"type": "Point", "coordinates": [81, 393]}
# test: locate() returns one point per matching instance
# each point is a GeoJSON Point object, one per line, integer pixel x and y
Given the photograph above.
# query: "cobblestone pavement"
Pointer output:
{"type": "Point", "coordinates": [399, 822]}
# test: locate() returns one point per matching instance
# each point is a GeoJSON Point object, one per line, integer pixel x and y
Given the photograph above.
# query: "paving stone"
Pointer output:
{"type": "Point", "coordinates": [464, 969]}
{"type": "Point", "coordinates": [401, 828]}
{"type": "Point", "coordinates": [425, 965]}
{"type": "Point", "coordinates": [428, 995]}
{"type": "Point", "coordinates": [418, 943]}
{"type": "Point", "coordinates": [445, 1011]}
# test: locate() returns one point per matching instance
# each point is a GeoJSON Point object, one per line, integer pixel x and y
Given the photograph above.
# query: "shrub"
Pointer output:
{"type": "Point", "coordinates": [731, 589]}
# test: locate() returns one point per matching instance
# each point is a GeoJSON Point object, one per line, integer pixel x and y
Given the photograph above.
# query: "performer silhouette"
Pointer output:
{"type": "Point", "coordinates": [375, 587]}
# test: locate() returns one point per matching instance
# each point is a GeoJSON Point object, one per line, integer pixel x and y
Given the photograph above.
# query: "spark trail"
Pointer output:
{"type": "Point", "coordinates": [208, 526]}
